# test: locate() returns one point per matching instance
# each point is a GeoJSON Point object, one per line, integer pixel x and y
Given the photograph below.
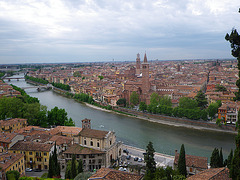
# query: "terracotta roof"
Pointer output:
{"type": "Point", "coordinates": [93, 133]}
{"type": "Point", "coordinates": [66, 130]}
{"type": "Point", "coordinates": [7, 159]}
{"type": "Point", "coordinates": [77, 149]}
{"type": "Point", "coordinates": [7, 137]}
{"type": "Point", "coordinates": [112, 174]}
{"type": "Point", "coordinates": [31, 146]}
{"type": "Point", "coordinates": [61, 140]}
{"type": "Point", "coordinates": [212, 174]}
{"type": "Point", "coordinates": [193, 161]}
{"type": "Point", "coordinates": [11, 121]}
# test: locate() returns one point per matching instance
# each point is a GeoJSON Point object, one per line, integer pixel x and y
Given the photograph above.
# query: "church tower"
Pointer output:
{"type": "Point", "coordinates": [138, 65]}
{"type": "Point", "coordinates": [86, 123]}
{"type": "Point", "coordinates": [145, 76]}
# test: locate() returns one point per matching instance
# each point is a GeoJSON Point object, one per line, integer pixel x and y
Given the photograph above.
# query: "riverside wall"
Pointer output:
{"type": "Point", "coordinates": [199, 123]}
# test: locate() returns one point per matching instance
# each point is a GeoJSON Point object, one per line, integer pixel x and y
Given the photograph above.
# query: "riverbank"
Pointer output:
{"type": "Point", "coordinates": [166, 122]}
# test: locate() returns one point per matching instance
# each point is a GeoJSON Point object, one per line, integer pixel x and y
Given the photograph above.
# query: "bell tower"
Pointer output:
{"type": "Point", "coordinates": [138, 65]}
{"type": "Point", "coordinates": [145, 76]}
{"type": "Point", "coordinates": [86, 123]}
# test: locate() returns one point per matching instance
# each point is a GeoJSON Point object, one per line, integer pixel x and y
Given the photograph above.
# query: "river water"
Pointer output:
{"type": "Point", "coordinates": [136, 132]}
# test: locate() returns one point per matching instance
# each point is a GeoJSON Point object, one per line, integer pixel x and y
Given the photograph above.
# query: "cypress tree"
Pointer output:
{"type": "Point", "coordinates": [150, 162]}
{"type": "Point", "coordinates": [229, 159]}
{"type": "Point", "coordinates": [73, 167]}
{"type": "Point", "coordinates": [182, 162]}
{"type": "Point", "coordinates": [50, 167]}
{"type": "Point", "coordinates": [215, 159]}
{"type": "Point", "coordinates": [54, 165]}
{"type": "Point", "coordinates": [235, 165]}
{"type": "Point", "coordinates": [80, 166]}
{"type": "Point", "coordinates": [220, 158]}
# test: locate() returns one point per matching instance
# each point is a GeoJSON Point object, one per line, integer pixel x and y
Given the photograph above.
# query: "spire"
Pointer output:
{"type": "Point", "coordinates": [145, 58]}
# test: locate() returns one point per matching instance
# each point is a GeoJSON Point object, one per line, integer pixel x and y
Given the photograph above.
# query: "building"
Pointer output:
{"type": "Point", "coordinates": [194, 164]}
{"type": "Point", "coordinates": [228, 112]}
{"type": "Point", "coordinates": [7, 140]}
{"type": "Point", "coordinates": [10, 125]}
{"type": "Point", "coordinates": [36, 155]}
{"type": "Point", "coordinates": [106, 173]}
{"type": "Point", "coordinates": [10, 162]}
{"type": "Point", "coordinates": [92, 159]}
{"type": "Point", "coordinates": [104, 141]}
{"type": "Point", "coordinates": [212, 174]}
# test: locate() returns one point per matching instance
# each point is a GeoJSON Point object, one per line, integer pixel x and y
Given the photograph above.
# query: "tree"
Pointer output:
{"type": "Point", "coordinates": [234, 39]}
{"type": "Point", "coordinates": [134, 98]}
{"type": "Point", "coordinates": [215, 159]}
{"type": "Point", "coordinates": [73, 167]}
{"type": "Point", "coordinates": [220, 158]}
{"type": "Point", "coordinates": [201, 99]}
{"type": "Point", "coordinates": [154, 99]}
{"type": "Point", "coordinates": [142, 106]}
{"type": "Point", "coordinates": [187, 103]}
{"type": "Point", "coordinates": [122, 102]}
{"type": "Point", "coordinates": [12, 175]}
{"type": "Point", "coordinates": [77, 74]}
{"type": "Point", "coordinates": [212, 109]}
{"type": "Point", "coordinates": [80, 166]}
{"type": "Point", "coordinates": [182, 162]}
{"type": "Point", "coordinates": [220, 88]}
{"type": "Point", "coordinates": [235, 165]}
{"type": "Point", "coordinates": [229, 159]}
{"type": "Point", "coordinates": [150, 162]}
{"type": "Point", "coordinates": [54, 165]}
{"type": "Point", "coordinates": [165, 101]}
{"type": "Point", "coordinates": [100, 77]}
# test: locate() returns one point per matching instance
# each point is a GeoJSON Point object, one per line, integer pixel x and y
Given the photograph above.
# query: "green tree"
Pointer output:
{"type": "Point", "coordinates": [229, 159]}
{"type": "Point", "coordinates": [134, 98]}
{"type": "Point", "coordinates": [73, 167]}
{"type": "Point", "coordinates": [234, 39]}
{"type": "Point", "coordinates": [154, 99]}
{"type": "Point", "coordinates": [12, 175]}
{"type": "Point", "coordinates": [122, 102]}
{"type": "Point", "coordinates": [100, 77]}
{"type": "Point", "coordinates": [187, 103]}
{"type": "Point", "coordinates": [201, 99]}
{"type": "Point", "coordinates": [54, 165]}
{"type": "Point", "coordinates": [182, 162]}
{"type": "Point", "coordinates": [220, 88]}
{"type": "Point", "coordinates": [165, 101]}
{"type": "Point", "coordinates": [80, 166]}
{"type": "Point", "coordinates": [150, 162]}
{"type": "Point", "coordinates": [142, 106]}
{"type": "Point", "coordinates": [220, 158]}
{"type": "Point", "coordinates": [212, 109]}
{"type": "Point", "coordinates": [215, 159]}
{"type": "Point", "coordinates": [235, 165]}
{"type": "Point", "coordinates": [77, 74]}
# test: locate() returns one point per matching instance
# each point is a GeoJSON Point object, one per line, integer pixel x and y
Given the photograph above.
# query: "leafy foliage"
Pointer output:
{"type": "Point", "coordinates": [201, 99]}
{"type": "Point", "coordinates": [36, 79]}
{"type": "Point", "coordinates": [65, 87]}
{"type": "Point", "coordinates": [12, 175]}
{"type": "Point", "coordinates": [122, 102]}
{"type": "Point", "coordinates": [84, 98]}
{"type": "Point", "coordinates": [142, 106]}
{"type": "Point", "coordinates": [182, 162]}
{"type": "Point", "coordinates": [215, 160]}
{"type": "Point", "coordinates": [134, 98]}
{"type": "Point", "coordinates": [235, 165]}
{"type": "Point", "coordinates": [220, 88]}
{"type": "Point", "coordinates": [150, 162]}
{"type": "Point", "coordinates": [77, 74]}
{"type": "Point", "coordinates": [187, 103]}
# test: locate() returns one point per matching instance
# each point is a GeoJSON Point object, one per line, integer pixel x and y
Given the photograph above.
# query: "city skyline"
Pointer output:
{"type": "Point", "coordinates": [89, 31]}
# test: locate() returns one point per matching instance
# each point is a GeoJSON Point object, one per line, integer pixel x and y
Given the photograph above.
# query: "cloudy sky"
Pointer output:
{"type": "Point", "coordinates": [39, 31]}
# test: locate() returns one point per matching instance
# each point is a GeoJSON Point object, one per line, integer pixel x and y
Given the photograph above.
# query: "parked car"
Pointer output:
{"type": "Point", "coordinates": [140, 160]}
{"type": "Point", "coordinates": [28, 170]}
{"type": "Point", "coordinates": [37, 170]}
{"type": "Point", "coordinates": [128, 157]}
{"type": "Point", "coordinates": [126, 151]}
{"type": "Point", "coordinates": [136, 159]}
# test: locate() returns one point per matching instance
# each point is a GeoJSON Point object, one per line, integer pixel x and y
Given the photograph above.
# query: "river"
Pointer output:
{"type": "Point", "coordinates": [137, 132]}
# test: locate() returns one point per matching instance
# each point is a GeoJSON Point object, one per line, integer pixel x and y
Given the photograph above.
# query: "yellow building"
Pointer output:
{"type": "Point", "coordinates": [36, 155]}
{"type": "Point", "coordinates": [11, 125]}
{"type": "Point", "coordinates": [10, 162]}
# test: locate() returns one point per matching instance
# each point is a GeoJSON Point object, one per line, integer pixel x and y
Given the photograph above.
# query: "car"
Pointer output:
{"type": "Point", "coordinates": [126, 151]}
{"type": "Point", "coordinates": [140, 160]}
{"type": "Point", "coordinates": [128, 157]}
{"type": "Point", "coordinates": [28, 170]}
{"type": "Point", "coordinates": [136, 159]}
{"type": "Point", "coordinates": [37, 170]}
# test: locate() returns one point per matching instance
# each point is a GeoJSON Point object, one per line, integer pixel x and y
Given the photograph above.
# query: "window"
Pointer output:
{"type": "Point", "coordinates": [45, 167]}
{"type": "Point", "coordinates": [44, 154]}
{"type": "Point", "coordinates": [98, 144]}
{"type": "Point", "coordinates": [14, 151]}
{"type": "Point", "coordinates": [30, 153]}
{"type": "Point", "coordinates": [31, 159]}
{"type": "Point", "coordinates": [110, 142]}
{"type": "Point", "coordinates": [84, 156]}
{"type": "Point", "coordinates": [45, 160]}
{"type": "Point", "coordinates": [85, 142]}
{"type": "Point", "coordinates": [91, 143]}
